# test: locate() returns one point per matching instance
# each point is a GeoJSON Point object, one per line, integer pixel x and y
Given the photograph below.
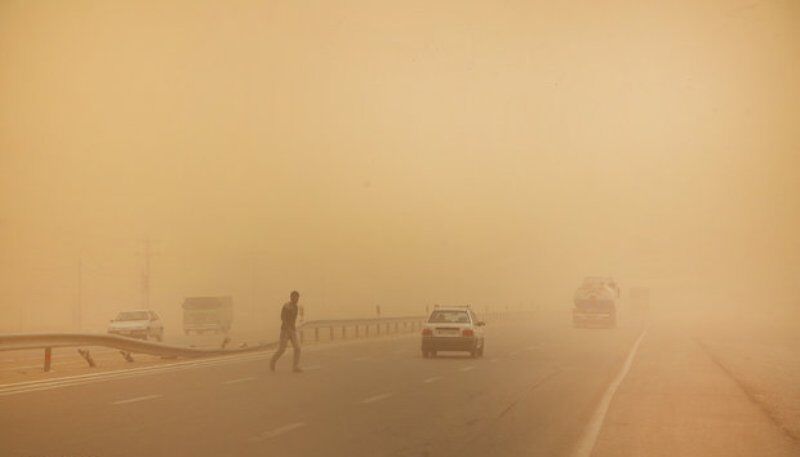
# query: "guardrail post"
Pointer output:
{"type": "Point", "coordinates": [331, 332]}
{"type": "Point", "coordinates": [366, 330]}
{"type": "Point", "coordinates": [397, 327]}
{"type": "Point", "coordinates": [344, 332]}
{"type": "Point", "coordinates": [48, 357]}
{"type": "Point", "coordinates": [86, 355]}
{"type": "Point", "coordinates": [316, 334]}
{"type": "Point", "coordinates": [356, 330]}
{"type": "Point", "coordinates": [378, 328]}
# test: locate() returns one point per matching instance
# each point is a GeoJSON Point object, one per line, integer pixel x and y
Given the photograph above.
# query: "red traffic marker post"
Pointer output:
{"type": "Point", "coordinates": [48, 358]}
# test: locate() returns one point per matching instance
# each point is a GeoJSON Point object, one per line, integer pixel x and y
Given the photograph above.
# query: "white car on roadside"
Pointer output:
{"type": "Point", "coordinates": [140, 323]}
{"type": "Point", "coordinates": [453, 329]}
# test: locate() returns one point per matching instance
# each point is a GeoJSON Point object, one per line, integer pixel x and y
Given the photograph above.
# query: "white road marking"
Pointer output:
{"type": "Point", "coordinates": [134, 400]}
{"type": "Point", "coordinates": [278, 431]}
{"type": "Point", "coordinates": [236, 381]}
{"type": "Point", "coordinates": [375, 398]}
{"type": "Point", "coordinates": [589, 438]}
{"type": "Point", "coordinates": [471, 367]}
{"type": "Point", "coordinates": [433, 379]}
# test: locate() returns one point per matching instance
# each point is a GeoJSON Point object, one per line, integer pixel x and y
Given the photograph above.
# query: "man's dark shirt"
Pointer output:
{"type": "Point", "coordinates": [288, 316]}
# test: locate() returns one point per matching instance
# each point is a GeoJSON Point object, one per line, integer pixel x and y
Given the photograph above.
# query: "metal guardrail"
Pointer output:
{"type": "Point", "coordinates": [381, 326]}
{"type": "Point", "coordinates": [127, 346]}
{"type": "Point", "coordinates": [360, 328]}
{"type": "Point", "coordinates": [21, 341]}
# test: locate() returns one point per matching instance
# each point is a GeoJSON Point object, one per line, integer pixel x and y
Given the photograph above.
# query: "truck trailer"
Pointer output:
{"type": "Point", "coordinates": [595, 303]}
{"type": "Point", "coordinates": [207, 314]}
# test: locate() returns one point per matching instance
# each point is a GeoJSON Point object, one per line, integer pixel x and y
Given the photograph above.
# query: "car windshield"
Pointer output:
{"type": "Point", "coordinates": [449, 317]}
{"type": "Point", "coordinates": [132, 316]}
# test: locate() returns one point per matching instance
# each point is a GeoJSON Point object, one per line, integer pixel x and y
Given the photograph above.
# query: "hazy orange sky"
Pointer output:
{"type": "Point", "coordinates": [403, 153]}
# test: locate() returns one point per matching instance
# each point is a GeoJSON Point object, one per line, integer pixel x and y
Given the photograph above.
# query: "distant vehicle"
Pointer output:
{"type": "Point", "coordinates": [595, 303]}
{"type": "Point", "coordinates": [453, 329]}
{"type": "Point", "coordinates": [207, 314]}
{"type": "Point", "coordinates": [140, 323]}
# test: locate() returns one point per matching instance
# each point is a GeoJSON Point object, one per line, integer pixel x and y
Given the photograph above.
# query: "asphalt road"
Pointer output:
{"type": "Point", "coordinates": [540, 390]}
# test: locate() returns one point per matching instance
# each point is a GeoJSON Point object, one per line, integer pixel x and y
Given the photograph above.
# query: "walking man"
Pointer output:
{"type": "Point", "coordinates": [288, 332]}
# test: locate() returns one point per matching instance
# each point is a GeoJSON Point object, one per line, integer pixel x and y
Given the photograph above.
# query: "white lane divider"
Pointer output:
{"type": "Point", "coordinates": [237, 381]}
{"type": "Point", "coordinates": [589, 438]}
{"type": "Point", "coordinates": [433, 379]}
{"type": "Point", "coordinates": [469, 368]}
{"type": "Point", "coordinates": [278, 431]}
{"type": "Point", "coordinates": [134, 400]}
{"type": "Point", "coordinates": [375, 398]}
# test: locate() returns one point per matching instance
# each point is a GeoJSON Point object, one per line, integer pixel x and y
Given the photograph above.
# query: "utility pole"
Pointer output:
{"type": "Point", "coordinates": [148, 252]}
{"type": "Point", "coordinates": [79, 300]}
{"type": "Point", "coordinates": [253, 285]}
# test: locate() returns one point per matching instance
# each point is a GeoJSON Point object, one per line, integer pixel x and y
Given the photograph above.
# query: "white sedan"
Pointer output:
{"type": "Point", "coordinates": [453, 329]}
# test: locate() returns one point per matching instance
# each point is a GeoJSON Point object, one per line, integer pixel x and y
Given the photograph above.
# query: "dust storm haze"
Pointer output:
{"type": "Point", "coordinates": [397, 155]}
{"type": "Point", "coordinates": [613, 187]}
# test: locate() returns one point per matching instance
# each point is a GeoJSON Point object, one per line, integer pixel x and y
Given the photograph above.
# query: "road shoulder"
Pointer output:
{"type": "Point", "coordinates": [677, 401]}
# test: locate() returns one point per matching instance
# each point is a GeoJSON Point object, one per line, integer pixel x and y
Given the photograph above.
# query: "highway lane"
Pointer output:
{"type": "Point", "coordinates": [533, 394]}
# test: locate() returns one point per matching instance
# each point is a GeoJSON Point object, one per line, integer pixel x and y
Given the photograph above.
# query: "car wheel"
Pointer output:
{"type": "Point", "coordinates": [480, 351]}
